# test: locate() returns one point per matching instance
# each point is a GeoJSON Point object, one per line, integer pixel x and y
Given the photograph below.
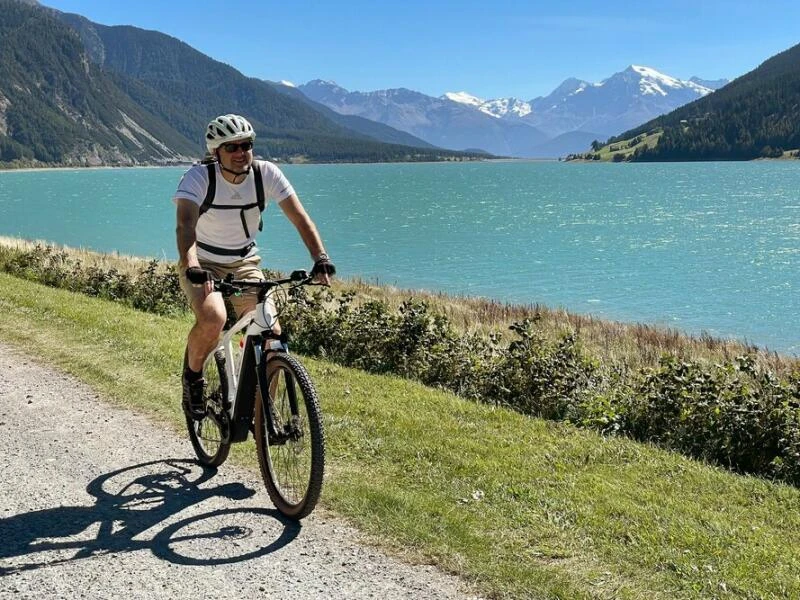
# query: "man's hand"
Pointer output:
{"type": "Point", "coordinates": [198, 276]}
{"type": "Point", "coordinates": [323, 270]}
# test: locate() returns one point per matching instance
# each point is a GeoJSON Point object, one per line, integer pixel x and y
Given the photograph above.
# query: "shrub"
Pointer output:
{"type": "Point", "coordinates": [735, 414]}
{"type": "Point", "coordinates": [539, 377]}
{"type": "Point", "coordinates": [155, 288]}
{"type": "Point", "coordinates": [731, 414]}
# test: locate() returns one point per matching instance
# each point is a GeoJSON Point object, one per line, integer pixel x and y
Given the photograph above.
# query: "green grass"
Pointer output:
{"type": "Point", "coordinates": [624, 149]}
{"type": "Point", "coordinates": [627, 147]}
{"type": "Point", "coordinates": [520, 507]}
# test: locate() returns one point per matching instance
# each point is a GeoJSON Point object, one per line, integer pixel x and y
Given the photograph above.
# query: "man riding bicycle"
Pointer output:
{"type": "Point", "coordinates": [219, 204]}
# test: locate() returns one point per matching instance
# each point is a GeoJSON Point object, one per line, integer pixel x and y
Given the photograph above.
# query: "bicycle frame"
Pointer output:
{"type": "Point", "coordinates": [240, 370]}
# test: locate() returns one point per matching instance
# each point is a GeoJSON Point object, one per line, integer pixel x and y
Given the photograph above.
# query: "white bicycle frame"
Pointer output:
{"type": "Point", "coordinates": [254, 322]}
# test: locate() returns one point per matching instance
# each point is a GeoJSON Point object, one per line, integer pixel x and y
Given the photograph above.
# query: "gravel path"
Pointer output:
{"type": "Point", "coordinates": [98, 502]}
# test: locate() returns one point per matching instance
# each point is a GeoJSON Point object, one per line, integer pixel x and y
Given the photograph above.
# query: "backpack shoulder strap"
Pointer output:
{"type": "Point", "coordinates": [259, 186]}
{"type": "Point", "coordinates": [211, 191]}
{"type": "Point", "coordinates": [259, 193]}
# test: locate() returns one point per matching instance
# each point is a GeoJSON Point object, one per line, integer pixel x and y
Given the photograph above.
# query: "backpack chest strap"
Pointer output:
{"type": "Point", "coordinates": [244, 251]}
{"type": "Point", "coordinates": [211, 190]}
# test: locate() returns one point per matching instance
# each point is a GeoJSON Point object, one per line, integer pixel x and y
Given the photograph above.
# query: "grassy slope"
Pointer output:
{"type": "Point", "coordinates": [523, 508]}
{"type": "Point", "coordinates": [626, 148]}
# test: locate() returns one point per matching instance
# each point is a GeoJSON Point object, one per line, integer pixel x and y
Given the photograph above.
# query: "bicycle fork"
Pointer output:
{"type": "Point", "coordinates": [279, 430]}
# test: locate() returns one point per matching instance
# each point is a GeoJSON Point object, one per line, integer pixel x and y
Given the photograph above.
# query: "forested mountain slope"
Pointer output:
{"type": "Point", "coordinates": [56, 106]}
{"type": "Point", "coordinates": [756, 115]}
{"type": "Point", "coordinates": [74, 93]}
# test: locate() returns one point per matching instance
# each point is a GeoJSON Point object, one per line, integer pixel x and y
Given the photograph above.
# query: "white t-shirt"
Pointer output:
{"type": "Point", "coordinates": [225, 228]}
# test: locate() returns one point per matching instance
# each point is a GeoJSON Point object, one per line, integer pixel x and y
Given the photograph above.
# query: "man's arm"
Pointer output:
{"type": "Point", "coordinates": [188, 213]}
{"type": "Point", "coordinates": [294, 211]}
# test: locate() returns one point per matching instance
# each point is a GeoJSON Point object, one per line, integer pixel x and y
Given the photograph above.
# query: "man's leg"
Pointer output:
{"type": "Point", "coordinates": [210, 316]}
{"type": "Point", "coordinates": [209, 312]}
{"type": "Point", "coordinates": [246, 269]}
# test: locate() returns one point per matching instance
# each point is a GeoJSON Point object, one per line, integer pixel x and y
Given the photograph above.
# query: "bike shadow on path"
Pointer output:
{"type": "Point", "coordinates": [138, 508]}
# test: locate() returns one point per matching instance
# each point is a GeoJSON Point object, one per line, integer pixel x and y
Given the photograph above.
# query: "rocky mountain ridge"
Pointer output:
{"type": "Point", "coordinates": [564, 121]}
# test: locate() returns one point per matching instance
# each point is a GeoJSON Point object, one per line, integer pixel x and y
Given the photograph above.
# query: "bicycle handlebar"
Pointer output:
{"type": "Point", "coordinates": [229, 286]}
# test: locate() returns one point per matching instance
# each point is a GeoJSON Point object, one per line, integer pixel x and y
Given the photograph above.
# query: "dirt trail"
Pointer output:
{"type": "Point", "coordinates": [98, 502]}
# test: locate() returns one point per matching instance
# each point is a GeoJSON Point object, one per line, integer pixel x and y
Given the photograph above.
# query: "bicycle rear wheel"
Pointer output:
{"type": "Point", "coordinates": [293, 461]}
{"type": "Point", "coordinates": [208, 434]}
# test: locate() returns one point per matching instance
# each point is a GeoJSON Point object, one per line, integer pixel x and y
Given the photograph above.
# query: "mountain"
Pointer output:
{"type": "Point", "coordinates": [620, 102]}
{"type": "Point", "coordinates": [73, 92]}
{"type": "Point", "coordinates": [714, 84]}
{"type": "Point", "coordinates": [442, 121]}
{"type": "Point", "coordinates": [372, 129]}
{"type": "Point", "coordinates": [563, 122]}
{"type": "Point", "coordinates": [58, 107]}
{"type": "Point", "coordinates": [756, 115]}
{"type": "Point", "coordinates": [166, 70]}
{"type": "Point", "coordinates": [502, 107]}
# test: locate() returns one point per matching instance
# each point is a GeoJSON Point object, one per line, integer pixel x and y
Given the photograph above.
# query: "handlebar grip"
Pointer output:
{"type": "Point", "coordinates": [299, 275]}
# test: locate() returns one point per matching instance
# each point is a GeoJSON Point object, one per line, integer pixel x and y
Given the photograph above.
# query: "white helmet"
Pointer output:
{"type": "Point", "coordinates": [228, 128]}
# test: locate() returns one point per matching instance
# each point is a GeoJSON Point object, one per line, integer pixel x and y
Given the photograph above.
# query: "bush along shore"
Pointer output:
{"type": "Point", "coordinates": [738, 408]}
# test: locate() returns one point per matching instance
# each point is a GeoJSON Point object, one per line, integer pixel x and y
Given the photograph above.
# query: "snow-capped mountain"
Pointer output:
{"type": "Point", "coordinates": [623, 101]}
{"type": "Point", "coordinates": [564, 121]}
{"type": "Point", "coordinates": [607, 108]}
{"type": "Point", "coordinates": [464, 98]}
{"type": "Point", "coordinates": [500, 108]}
{"type": "Point", "coordinates": [440, 121]}
{"type": "Point", "coordinates": [653, 82]}
{"type": "Point", "coordinates": [712, 84]}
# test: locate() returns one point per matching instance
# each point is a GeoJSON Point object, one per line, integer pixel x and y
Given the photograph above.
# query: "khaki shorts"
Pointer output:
{"type": "Point", "coordinates": [248, 268]}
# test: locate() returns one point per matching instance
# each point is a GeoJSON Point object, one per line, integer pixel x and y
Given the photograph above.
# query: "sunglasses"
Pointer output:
{"type": "Point", "coordinates": [231, 147]}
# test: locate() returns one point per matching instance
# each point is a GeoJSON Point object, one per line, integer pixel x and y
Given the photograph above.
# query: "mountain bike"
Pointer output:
{"type": "Point", "coordinates": [254, 385]}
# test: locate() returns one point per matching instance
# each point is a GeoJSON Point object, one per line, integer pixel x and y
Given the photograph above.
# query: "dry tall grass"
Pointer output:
{"type": "Point", "coordinates": [631, 344]}
{"type": "Point", "coordinates": [128, 265]}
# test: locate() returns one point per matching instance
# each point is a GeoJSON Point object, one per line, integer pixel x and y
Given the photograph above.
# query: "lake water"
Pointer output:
{"type": "Point", "coordinates": [696, 246]}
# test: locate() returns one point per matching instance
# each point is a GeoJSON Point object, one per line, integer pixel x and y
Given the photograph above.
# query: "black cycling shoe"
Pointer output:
{"type": "Point", "coordinates": [193, 404]}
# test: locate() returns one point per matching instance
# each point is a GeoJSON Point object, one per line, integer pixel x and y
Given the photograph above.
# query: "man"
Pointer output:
{"type": "Point", "coordinates": [219, 206]}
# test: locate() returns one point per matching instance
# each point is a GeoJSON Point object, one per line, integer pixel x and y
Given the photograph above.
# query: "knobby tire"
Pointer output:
{"type": "Point", "coordinates": [205, 434]}
{"type": "Point", "coordinates": [292, 469]}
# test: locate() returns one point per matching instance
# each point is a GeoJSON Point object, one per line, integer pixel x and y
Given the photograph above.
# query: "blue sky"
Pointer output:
{"type": "Point", "coordinates": [516, 48]}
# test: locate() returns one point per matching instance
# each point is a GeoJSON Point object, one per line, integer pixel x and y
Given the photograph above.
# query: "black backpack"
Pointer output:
{"type": "Point", "coordinates": [208, 203]}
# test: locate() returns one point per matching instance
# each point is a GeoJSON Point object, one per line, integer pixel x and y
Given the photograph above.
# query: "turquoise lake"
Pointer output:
{"type": "Point", "coordinates": [700, 247]}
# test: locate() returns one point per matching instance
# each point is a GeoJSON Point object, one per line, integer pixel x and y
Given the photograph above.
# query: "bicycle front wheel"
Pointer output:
{"type": "Point", "coordinates": [291, 454]}
{"type": "Point", "coordinates": [208, 435]}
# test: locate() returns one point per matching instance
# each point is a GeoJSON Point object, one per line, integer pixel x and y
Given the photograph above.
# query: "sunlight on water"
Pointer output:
{"type": "Point", "coordinates": [698, 246]}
